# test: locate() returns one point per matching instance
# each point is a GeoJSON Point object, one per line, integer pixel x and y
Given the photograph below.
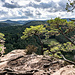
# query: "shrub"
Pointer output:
{"type": "Point", "coordinates": [31, 49]}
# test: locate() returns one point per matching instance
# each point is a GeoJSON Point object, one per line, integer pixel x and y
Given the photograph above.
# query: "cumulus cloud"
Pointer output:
{"type": "Point", "coordinates": [17, 17]}
{"type": "Point", "coordinates": [28, 13]}
{"type": "Point", "coordinates": [38, 0]}
{"type": "Point", "coordinates": [38, 13]}
{"type": "Point", "coordinates": [3, 0]}
{"type": "Point", "coordinates": [62, 4]}
{"type": "Point", "coordinates": [8, 5]}
{"type": "Point", "coordinates": [33, 9]}
{"type": "Point", "coordinates": [43, 5]}
{"type": "Point", "coordinates": [3, 12]}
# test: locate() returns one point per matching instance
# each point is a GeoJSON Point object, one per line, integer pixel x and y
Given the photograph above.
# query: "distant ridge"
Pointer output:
{"type": "Point", "coordinates": [33, 23]}
{"type": "Point", "coordinates": [14, 22]}
{"type": "Point", "coordinates": [68, 19]}
{"type": "Point", "coordinates": [27, 23]}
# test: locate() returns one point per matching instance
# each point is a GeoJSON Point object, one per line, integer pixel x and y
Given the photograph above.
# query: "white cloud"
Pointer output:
{"type": "Point", "coordinates": [33, 9]}
{"type": "Point", "coordinates": [56, 0]}
{"type": "Point", "coordinates": [23, 2]}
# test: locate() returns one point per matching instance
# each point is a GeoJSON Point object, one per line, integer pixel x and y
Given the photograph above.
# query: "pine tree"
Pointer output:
{"type": "Point", "coordinates": [60, 26]}
{"type": "Point", "coordinates": [37, 31]}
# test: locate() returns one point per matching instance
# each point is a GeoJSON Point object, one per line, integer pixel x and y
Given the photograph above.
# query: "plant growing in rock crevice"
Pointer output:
{"type": "Point", "coordinates": [31, 49]}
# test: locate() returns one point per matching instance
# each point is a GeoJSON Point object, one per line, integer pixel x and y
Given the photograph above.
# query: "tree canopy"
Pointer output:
{"type": "Point", "coordinates": [57, 26]}
{"type": "Point", "coordinates": [34, 30]}
{"type": "Point", "coordinates": [70, 6]}
{"type": "Point", "coordinates": [61, 26]}
{"type": "Point", "coordinates": [37, 31]}
{"type": "Point", "coordinates": [2, 36]}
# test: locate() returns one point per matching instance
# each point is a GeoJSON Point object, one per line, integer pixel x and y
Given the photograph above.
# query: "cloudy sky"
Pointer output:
{"type": "Point", "coordinates": [33, 9]}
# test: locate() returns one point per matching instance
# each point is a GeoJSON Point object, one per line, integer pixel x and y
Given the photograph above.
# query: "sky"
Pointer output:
{"type": "Point", "coordinates": [33, 9]}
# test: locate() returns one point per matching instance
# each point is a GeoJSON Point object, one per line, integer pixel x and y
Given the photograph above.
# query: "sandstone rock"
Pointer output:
{"type": "Point", "coordinates": [18, 63]}
{"type": "Point", "coordinates": [67, 70]}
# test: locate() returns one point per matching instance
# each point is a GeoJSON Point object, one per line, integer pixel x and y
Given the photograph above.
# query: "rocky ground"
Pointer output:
{"type": "Point", "coordinates": [18, 63]}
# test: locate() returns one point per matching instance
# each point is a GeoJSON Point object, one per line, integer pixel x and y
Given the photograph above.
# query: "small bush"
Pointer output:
{"type": "Point", "coordinates": [31, 49]}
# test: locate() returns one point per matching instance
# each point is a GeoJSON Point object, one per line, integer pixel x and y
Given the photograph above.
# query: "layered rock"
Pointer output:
{"type": "Point", "coordinates": [18, 63]}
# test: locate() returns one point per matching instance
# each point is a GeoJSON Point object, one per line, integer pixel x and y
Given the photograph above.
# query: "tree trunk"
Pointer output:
{"type": "Point", "coordinates": [41, 43]}
{"type": "Point", "coordinates": [65, 35]}
{"type": "Point", "coordinates": [67, 60]}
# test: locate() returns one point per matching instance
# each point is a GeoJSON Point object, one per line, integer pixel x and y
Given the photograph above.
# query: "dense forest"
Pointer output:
{"type": "Point", "coordinates": [13, 39]}
{"type": "Point", "coordinates": [13, 36]}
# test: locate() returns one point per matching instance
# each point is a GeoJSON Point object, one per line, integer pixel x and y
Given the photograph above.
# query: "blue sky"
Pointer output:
{"type": "Point", "coordinates": [33, 9]}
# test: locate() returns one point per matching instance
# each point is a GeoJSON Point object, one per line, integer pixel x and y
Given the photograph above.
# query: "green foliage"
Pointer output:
{"type": "Point", "coordinates": [34, 30]}
{"type": "Point", "coordinates": [69, 46]}
{"type": "Point", "coordinates": [34, 23]}
{"type": "Point", "coordinates": [57, 48]}
{"type": "Point", "coordinates": [57, 24]}
{"type": "Point", "coordinates": [57, 21]}
{"type": "Point", "coordinates": [0, 49]}
{"type": "Point", "coordinates": [31, 49]}
{"type": "Point", "coordinates": [1, 41]}
{"type": "Point", "coordinates": [60, 38]}
{"type": "Point", "coordinates": [13, 40]}
{"type": "Point", "coordinates": [47, 41]}
{"type": "Point", "coordinates": [61, 26]}
{"type": "Point", "coordinates": [1, 45]}
{"type": "Point", "coordinates": [37, 31]}
{"type": "Point", "coordinates": [70, 6]}
{"type": "Point", "coordinates": [4, 24]}
{"type": "Point", "coordinates": [2, 36]}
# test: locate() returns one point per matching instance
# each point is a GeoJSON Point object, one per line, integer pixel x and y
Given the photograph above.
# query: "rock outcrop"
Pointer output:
{"type": "Point", "coordinates": [67, 70]}
{"type": "Point", "coordinates": [18, 63]}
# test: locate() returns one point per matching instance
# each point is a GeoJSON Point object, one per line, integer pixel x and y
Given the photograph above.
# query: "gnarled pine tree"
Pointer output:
{"type": "Point", "coordinates": [61, 26]}
{"type": "Point", "coordinates": [37, 31]}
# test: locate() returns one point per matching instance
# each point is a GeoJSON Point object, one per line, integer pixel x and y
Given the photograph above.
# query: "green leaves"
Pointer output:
{"type": "Point", "coordinates": [57, 26]}
{"type": "Point", "coordinates": [0, 49]}
{"type": "Point", "coordinates": [2, 36]}
{"type": "Point", "coordinates": [34, 30]}
{"type": "Point", "coordinates": [1, 40]}
{"type": "Point", "coordinates": [57, 21]}
{"type": "Point", "coordinates": [61, 26]}
{"type": "Point", "coordinates": [68, 46]}
{"type": "Point", "coordinates": [56, 48]}
{"type": "Point", "coordinates": [70, 6]}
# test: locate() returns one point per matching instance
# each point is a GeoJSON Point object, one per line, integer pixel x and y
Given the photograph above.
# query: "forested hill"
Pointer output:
{"type": "Point", "coordinates": [4, 24]}
{"type": "Point", "coordinates": [68, 19]}
{"type": "Point", "coordinates": [20, 23]}
{"type": "Point", "coordinates": [13, 35]}
{"type": "Point", "coordinates": [11, 23]}
{"type": "Point", "coordinates": [28, 23]}
{"type": "Point", "coordinates": [16, 29]}
{"type": "Point", "coordinates": [33, 23]}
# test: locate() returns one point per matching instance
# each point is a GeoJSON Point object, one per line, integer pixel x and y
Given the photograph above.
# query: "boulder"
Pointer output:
{"type": "Point", "coordinates": [67, 70]}
{"type": "Point", "coordinates": [18, 63]}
